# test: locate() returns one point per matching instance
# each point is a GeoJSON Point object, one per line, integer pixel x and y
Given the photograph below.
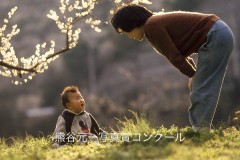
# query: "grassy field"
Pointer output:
{"type": "Point", "coordinates": [137, 141]}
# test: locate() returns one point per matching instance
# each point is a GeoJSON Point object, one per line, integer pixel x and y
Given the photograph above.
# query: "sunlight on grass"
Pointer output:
{"type": "Point", "coordinates": [219, 144]}
{"type": "Point", "coordinates": [136, 125]}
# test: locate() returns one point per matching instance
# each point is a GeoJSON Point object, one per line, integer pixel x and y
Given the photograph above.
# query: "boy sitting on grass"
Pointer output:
{"type": "Point", "coordinates": [74, 124]}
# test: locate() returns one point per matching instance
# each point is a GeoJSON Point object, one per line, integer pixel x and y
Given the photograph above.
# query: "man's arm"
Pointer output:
{"type": "Point", "coordinates": [163, 43]}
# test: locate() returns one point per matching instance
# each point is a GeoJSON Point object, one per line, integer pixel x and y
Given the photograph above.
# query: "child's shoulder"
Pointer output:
{"type": "Point", "coordinates": [66, 114]}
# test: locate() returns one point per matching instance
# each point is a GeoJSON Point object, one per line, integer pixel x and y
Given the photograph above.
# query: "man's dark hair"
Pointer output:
{"type": "Point", "coordinates": [64, 95]}
{"type": "Point", "coordinates": [129, 17]}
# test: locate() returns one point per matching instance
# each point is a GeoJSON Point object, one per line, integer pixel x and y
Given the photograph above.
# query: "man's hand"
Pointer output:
{"type": "Point", "coordinates": [236, 120]}
{"type": "Point", "coordinates": [190, 84]}
{"type": "Point", "coordinates": [237, 114]}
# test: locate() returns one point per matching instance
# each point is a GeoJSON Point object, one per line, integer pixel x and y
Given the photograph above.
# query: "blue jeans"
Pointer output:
{"type": "Point", "coordinates": [213, 57]}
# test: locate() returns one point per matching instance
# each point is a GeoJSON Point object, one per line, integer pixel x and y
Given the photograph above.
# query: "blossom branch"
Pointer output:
{"type": "Point", "coordinates": [11, 66]}
{"type": "Point", "coordinates": [70, 12]}
{"type": "Point", "coordinates": [16, 67]}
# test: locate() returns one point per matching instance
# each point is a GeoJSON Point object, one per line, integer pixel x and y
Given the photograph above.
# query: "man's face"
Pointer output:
{"type": "Point", "coordinates": [136, 33]}
{"type": "Point", "coordinates": [76, 102]}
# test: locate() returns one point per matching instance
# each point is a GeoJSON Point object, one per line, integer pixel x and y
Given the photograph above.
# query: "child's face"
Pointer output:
{"type": "Point", "coordinates": [76, 102]}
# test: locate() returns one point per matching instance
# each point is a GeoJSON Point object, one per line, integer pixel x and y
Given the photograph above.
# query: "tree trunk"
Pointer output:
{"type": "Point", "coordinates": [235, 55]}
{"type": "Point", "coordinates": [92, 71]}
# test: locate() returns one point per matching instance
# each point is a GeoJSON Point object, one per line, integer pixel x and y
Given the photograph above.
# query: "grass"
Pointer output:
{"type": "Point", "coordinates": [221, 144]}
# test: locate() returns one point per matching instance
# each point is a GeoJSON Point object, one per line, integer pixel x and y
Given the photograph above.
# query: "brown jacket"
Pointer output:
{"type": "Point", "coordinates": [177, 35]}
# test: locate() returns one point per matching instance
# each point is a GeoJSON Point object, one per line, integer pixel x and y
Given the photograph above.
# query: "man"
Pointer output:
{"type": "Point", "coordinates": [177, 35]}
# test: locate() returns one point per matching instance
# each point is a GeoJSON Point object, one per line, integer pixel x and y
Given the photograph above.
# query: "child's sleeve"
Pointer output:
{"type": "Point", "coordinates": [95, 129]}
{"type": "Point", "coordinates": [59, 133]}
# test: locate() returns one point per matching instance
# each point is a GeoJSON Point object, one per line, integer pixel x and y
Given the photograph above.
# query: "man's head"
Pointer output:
{"type": "Point", "coordinates": [72, 99]}
{"type": "Point", "coordinates": [130, 19]}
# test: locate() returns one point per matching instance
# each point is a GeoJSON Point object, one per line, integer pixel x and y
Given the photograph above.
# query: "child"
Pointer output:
{"type": "Point", "coordinates": [177, 35]}
{"type": "Point", "coordinates": [74, 124]}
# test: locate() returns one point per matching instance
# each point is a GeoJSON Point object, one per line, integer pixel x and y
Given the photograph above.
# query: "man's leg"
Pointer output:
{"type": "Point", "coordinates": [213, 58]}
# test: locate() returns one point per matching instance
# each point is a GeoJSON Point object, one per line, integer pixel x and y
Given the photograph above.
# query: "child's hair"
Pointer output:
{"type": "Point", "coordinates": [129, 17]}
{"type": "Point", "coordinates": [64, 95]}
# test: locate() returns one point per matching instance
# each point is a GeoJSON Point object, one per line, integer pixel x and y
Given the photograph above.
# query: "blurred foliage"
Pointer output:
{"type": "Point", "coordinates": [76, 62]}
{"type": "Point", "coordinates": [184, 5]}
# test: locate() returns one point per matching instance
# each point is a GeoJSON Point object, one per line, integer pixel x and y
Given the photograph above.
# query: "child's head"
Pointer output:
{"type": "Point", "coordinates": [130, 17]}
{"type": "Point", "coordinates": [72, 99]}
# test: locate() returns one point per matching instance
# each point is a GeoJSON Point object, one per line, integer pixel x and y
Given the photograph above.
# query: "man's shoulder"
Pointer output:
{"type": "Point", "coordinates": [154, 22]}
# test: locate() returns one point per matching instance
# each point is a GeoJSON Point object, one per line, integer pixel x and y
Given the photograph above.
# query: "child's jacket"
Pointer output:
{"type": "Point", "coordinates": [71, 124]}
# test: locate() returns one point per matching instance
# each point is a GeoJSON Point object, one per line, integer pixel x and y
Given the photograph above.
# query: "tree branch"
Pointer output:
{"type": "Point", "coordinates": [18, 68]}
{"type": "Point", "coordinates": [51, 56]}
{"type": "Point", "coordinates": [33, 69]}
{"type": "Point", "coordinates": [78, 18]}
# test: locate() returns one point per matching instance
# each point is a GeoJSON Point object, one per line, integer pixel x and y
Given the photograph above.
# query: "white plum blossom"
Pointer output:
{"type": "Point", "coordinates": [67, 15]}
{"type": "Point", "coordinates": [72, 12]}
{"type": "Point", "coordinates": [12, 66]}
{"type": "Point", "coordinates": [9, 60]}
